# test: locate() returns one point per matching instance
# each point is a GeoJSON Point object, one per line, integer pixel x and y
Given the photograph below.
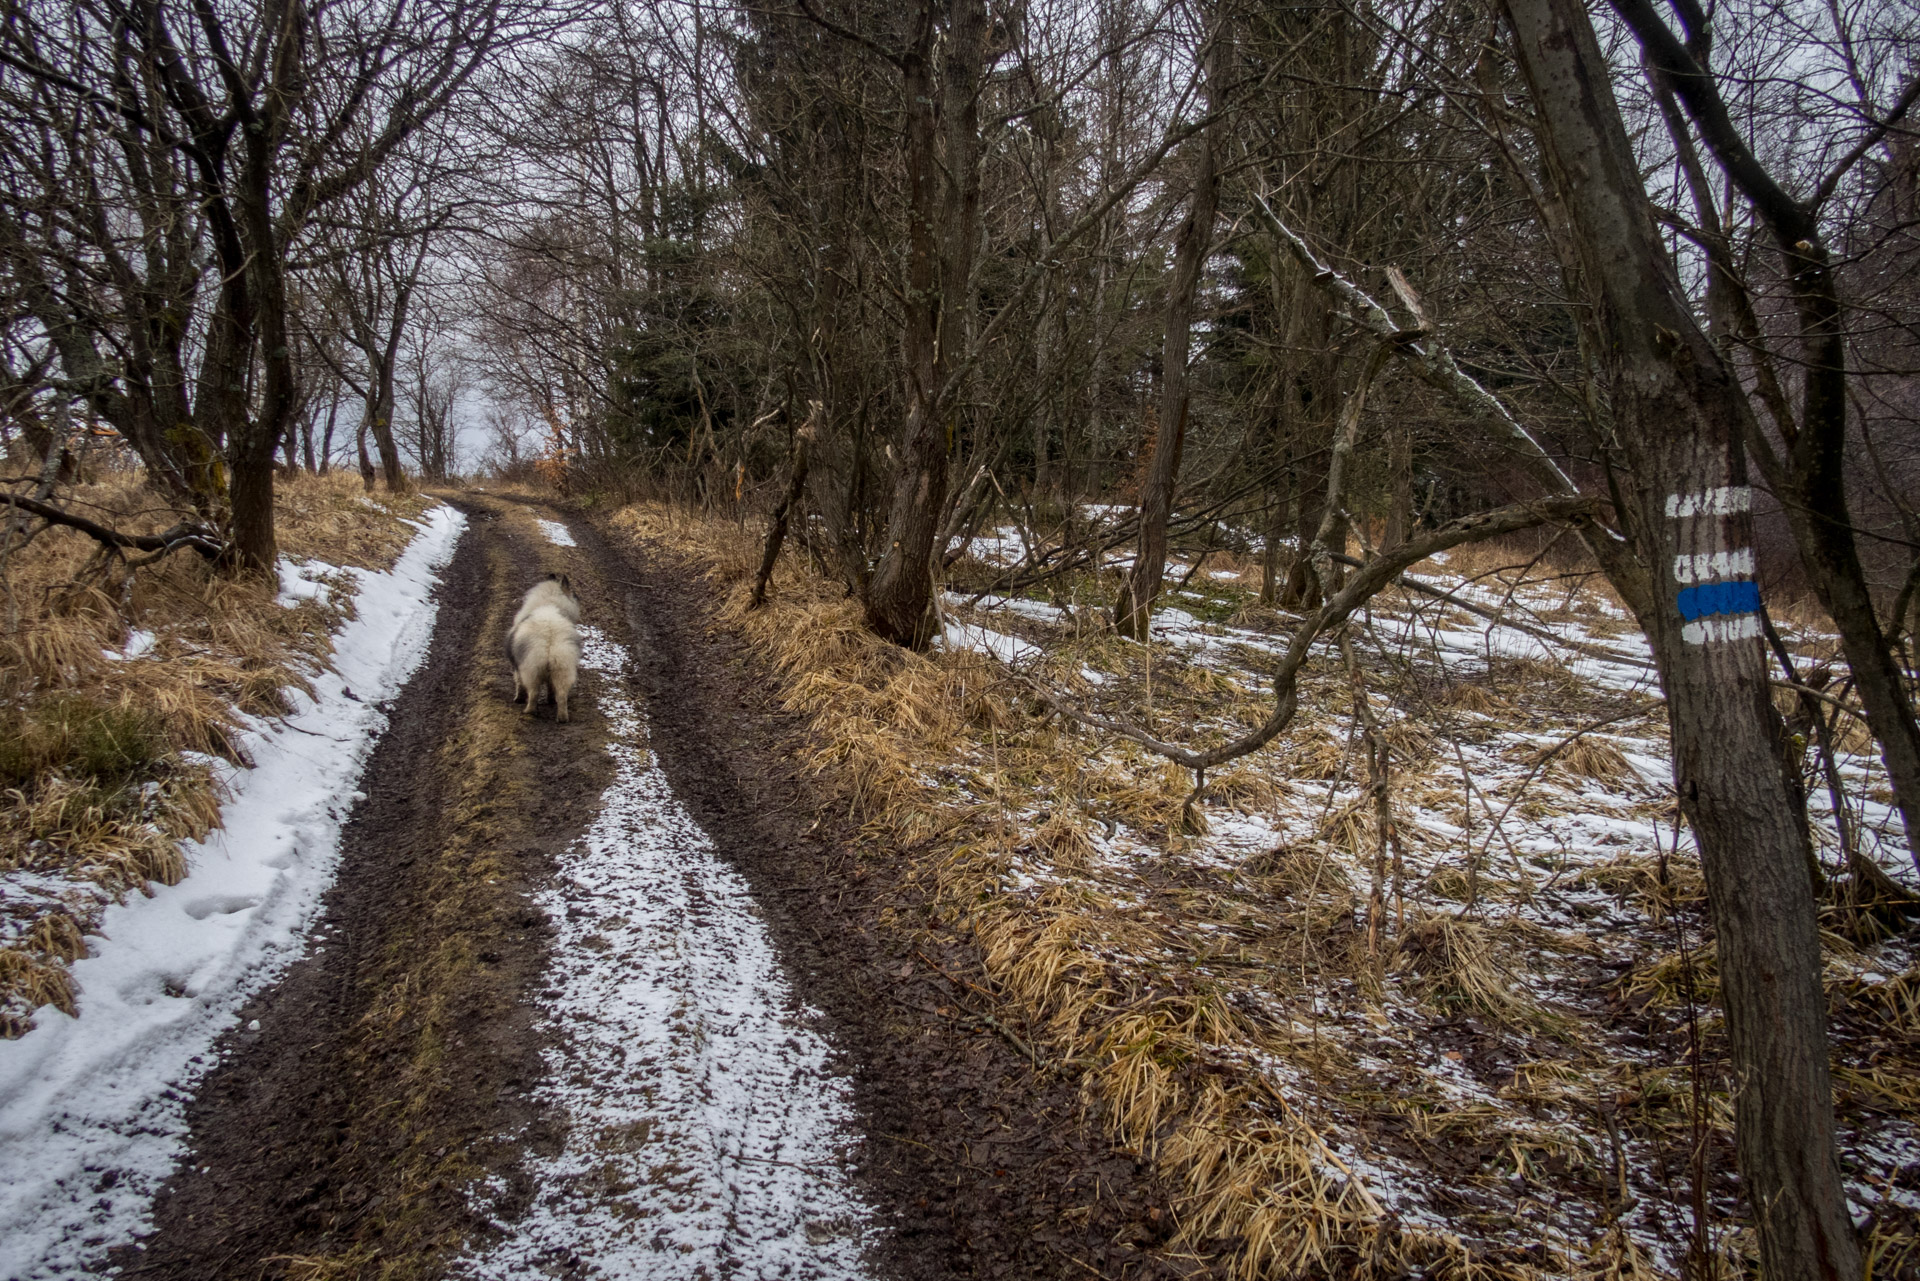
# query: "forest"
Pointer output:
{"type": "Point", "coordinates": [1364, 555]}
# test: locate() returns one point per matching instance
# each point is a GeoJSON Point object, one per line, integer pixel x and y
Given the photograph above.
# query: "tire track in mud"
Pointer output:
{"type": "Point", "coordinates": [419, 1100]}
{"type": "Point", "coordinates": [706, 1134]}
{"type": "Point", "coordinates": [978, 1163]}
{"type": "Point", "coordinates": [342, 1133]}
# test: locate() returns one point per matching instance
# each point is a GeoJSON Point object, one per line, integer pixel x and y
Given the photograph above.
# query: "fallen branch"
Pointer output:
{"type": "Point", "coordinates": [1368, 580]}
{"type": "Point", "coordinates": [198, 537]}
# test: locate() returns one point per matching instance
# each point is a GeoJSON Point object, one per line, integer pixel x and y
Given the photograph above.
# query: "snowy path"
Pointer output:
{"type": "Point", "coordinates": [706, 1134]}
{"type": "Point", "coordinates": [92, 1109]}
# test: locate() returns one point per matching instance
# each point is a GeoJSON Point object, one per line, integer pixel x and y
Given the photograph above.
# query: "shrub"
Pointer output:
{"type": "Point", "coordinates": [74, 735]}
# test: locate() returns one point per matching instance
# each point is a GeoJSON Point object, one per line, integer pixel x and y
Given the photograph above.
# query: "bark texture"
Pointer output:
{"type": "Point", "coordinates": [943, 189]}
{"type": "Point", "coordinates": [1680, 417]}
{"type": "Point", "coordinates": [1133, 611]}
{"type": "Point", "coordinates": [1809, 475]}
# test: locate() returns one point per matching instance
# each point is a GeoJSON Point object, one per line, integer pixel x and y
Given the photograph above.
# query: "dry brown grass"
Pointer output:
{"type": "Point", "coordinates": [1459, 967]}
{"type": "Point", "coordinates": [938, 758]}
{"type": "Point", "coordinates": [104, 759]}
{"type": "Point", "coordinates": [1182, 992]}
{"type": "Point", "coordinates": [1597, 759]}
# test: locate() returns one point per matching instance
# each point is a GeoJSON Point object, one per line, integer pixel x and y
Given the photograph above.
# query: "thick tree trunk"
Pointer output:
{"type": "Point", "coordinates": [1810, 478]}
{"type": "Point", "coordinates": [250, 495]}
{"type": "Point", "coordinates": [1680, 418]}
{"type": "Point", "coordinates": [900, 594]}
{"type": "Point", "coordinates": [944, 216]}
{"type": "Point", "coordinates": [252, 438]}
{"type": "Point", "coordinates": [380, 419]}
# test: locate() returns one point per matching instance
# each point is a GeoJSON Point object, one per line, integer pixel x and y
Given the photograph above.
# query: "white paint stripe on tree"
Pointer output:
{"type": "Point", "coordinates": [1704, 631]}
{"type": "Point", "coordinates": [1708, 567]}
{"type": "Point", "coordinates": [707, 1132]}
{"type": "Point", "coordinates": [1718, 598]}
{"type": "Point", "coordinates": [1723, 500]}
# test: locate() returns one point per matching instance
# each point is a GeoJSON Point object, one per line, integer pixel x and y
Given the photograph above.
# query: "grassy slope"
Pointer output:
{"type": "Point", "coordinates": [119, 688]}
{"type": "Point", "coordinates": [1478, 1038]}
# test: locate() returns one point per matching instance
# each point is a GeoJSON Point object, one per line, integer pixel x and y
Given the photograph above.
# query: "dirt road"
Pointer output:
{"type": "Point", "coordinates": [615, 998]}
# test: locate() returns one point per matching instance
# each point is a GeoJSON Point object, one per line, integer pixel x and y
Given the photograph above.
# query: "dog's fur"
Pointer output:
{"type": "Point", "coordinates": [555, 590]}
{"type": "Point", "coordinates": [544, 647]}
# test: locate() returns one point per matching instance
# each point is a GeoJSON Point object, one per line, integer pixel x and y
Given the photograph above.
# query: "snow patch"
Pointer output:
{"type": "Point", "coordinates": [1008, 649]}
{"type": "Point", "coordinates": [105, 1093]}
{"type": "Point", "coordinates": [707, 1132]}
{"type": "Point", "coordinates": [139, 645]}
{"type": "Point", "coordinates": [556, 533]}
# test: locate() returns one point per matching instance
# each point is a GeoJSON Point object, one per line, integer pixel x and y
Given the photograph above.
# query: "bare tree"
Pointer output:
{"type": "Point", "coordinates": [1804, 457]}
{"type": "Point", "coordinates": [1132, 613]}
{"type": "Point", "coordinates": [227, 127]}
{"type": "Point", "coordinates": [1685, 505]}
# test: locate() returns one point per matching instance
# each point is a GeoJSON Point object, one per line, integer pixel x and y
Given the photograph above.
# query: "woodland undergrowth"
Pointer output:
{"type": "Point", "coordinates": [1461, 1021]}
{"type": "Point", "coordinates": [123, 694]}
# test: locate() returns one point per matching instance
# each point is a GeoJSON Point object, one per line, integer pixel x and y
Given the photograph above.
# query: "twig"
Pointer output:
{"type": "Point", "coordinates": [1032, 1055]}
{"type": "Point", "coordinates": [1500, 618]}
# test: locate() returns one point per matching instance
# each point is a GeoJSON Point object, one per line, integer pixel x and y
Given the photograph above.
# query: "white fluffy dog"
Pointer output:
{"type": "Point", "coordinates": [544, 645]}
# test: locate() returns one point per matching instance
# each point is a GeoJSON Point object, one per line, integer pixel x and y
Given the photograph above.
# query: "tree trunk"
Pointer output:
{"type": "Point", "coordinates": [943, 233]}
{"type": "Point", "coordinates": [1810, 479]}
{"type": "Point", "coordinates": [1399, 484]}
{"type": "Point", "coordinates": [796, 485]}
{"type": "Point", "coordinates": [380, 418]}
{"type": "Point", "coordinates": [306, 442]}
{"type": "Point", "coordinates": [1281, 497]}
{"type": "Point", "coordinates": [47, 442]}
{"type": "Point", "coordinates": [1330, 539]}
{"type": "Point", "coordinates": [1133, 611]}
{"type": "Point", "coordinates": [326, 441]}
{"type": "Point", "coordinates": [1310, 396]}
{"type": "Point", "coordinates": [253, 438]}
{"type": "Point", "coordinates": [1817, 513]}
{"type": "Point", "coordinates": [1680, 418]}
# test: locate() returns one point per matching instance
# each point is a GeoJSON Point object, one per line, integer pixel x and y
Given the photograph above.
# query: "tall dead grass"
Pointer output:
{"type": "Point", "coordinates": [118, 690]}
{"type": "Point", "coordinates": [938, 757]}
{"type": "Point", "coordinates": [1226, 1022]}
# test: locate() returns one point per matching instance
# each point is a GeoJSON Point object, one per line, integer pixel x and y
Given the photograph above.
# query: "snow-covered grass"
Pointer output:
{"type": "Point", "coordinates": [122, 691]}
{"type": "Point", "coordinates": [556, 533]}
{"type": "Point", "coordinates": [706, 1131]}
{"type": "Point", "coordinates": [92, 1107]}
{"type": "Point", "coordinates": [1488, 1001]}
{"type": "Point", "coordinates": [1458, 1040]}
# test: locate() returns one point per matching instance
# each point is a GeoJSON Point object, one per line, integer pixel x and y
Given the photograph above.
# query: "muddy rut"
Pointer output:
{"type": "Point", "coordinates": [448, 1085]}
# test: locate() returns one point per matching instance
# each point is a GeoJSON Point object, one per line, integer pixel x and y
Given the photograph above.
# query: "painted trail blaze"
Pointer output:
{"type": "Point", "coordinates": [1710, 599]}
{"type": "Point", "coordinates": [1718, 597]}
